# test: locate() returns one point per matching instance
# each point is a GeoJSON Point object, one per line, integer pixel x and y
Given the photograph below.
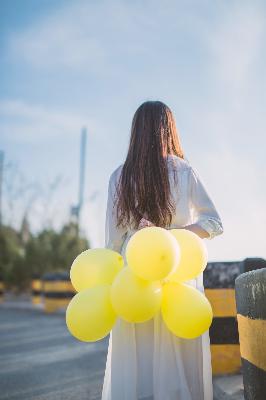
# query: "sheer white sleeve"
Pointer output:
{"type": "Point", "coordinates": [204, 211]}
{"type": "Point", "coordinates": [114, 236]}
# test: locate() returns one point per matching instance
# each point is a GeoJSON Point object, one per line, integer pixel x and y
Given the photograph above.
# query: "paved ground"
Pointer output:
{"type": "Point", "coordinates": [228, 387]}
{"type": "Point", "coordinates": [40, 360]}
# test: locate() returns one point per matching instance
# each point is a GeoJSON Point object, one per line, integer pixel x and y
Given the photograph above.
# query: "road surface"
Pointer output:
{"type": "Point", "coordinates": [41, 360]}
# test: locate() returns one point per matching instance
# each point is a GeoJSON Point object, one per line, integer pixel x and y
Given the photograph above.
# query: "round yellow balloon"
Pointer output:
{"type": "Point", "coordinates": [95, 267]}
{"type": "Point", "coordinates": [90, 315]}
{"type": "Point", "coordinates": [135, 299]}
{"type": "Point", "coordinates": [193, 256]}
{"type": "Point", "coordinates": [185, 310]}
{"type": "Point", "coordinates": [152, 253]}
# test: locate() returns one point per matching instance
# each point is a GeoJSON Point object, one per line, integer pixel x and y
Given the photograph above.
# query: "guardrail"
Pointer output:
{"type": "Point", "coordinates": [36, 289]}
{"type": "Point", "coordinates": [57, 290]}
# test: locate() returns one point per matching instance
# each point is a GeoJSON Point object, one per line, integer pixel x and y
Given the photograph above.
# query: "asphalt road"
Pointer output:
{"type": "Point", "coordinates": [41, 360]}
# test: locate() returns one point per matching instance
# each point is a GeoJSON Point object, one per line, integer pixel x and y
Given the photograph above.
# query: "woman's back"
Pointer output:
{"type": "Point", "coordinates": [191, 200]}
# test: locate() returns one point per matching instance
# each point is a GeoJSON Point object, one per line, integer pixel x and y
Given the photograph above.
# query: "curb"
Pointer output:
{"type": "Point", "coordinates": [28, 306]}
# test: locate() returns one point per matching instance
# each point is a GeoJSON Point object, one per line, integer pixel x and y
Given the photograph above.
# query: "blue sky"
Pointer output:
{"type": "Point", "coordinates": [68, 64]}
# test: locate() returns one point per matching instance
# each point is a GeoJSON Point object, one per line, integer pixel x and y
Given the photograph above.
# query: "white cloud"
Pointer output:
{"type": "Point", "coordinates": [158, 47]}
{"type": "Point", "coordinates": [229, 129]}
{"type": "Point", "coordinates": [102, 38]}
{"type": "Point", "coordinates": [236, 44]}
{"type": "Point", "coordinates": [32, 122]}
{"type": "Point", "coordinates": [80, 36]}
{"type": "Point", "coordinates": [59, 40]}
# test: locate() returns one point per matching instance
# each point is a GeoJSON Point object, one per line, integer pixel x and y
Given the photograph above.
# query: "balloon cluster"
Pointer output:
{"type": "Point", "coordinates": [159, 263]}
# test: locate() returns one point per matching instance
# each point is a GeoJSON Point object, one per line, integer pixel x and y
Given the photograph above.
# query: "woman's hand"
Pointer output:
{"type": "Point", "coordinates": [144, 223]}
{"type": "Point", "coordinates": [198, 230]}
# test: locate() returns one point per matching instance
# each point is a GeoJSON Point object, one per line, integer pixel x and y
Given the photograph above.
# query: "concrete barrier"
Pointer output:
{"type": "Point", "coordinates": [57, 290]}
{"type": "Point", "coordinates": [251, 264]}
{"type": "Point", "coordinates": [251, 317]}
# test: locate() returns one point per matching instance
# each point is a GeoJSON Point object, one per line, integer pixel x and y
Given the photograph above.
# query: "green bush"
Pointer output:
{"type": "Point", "coordinates": [45, 252]}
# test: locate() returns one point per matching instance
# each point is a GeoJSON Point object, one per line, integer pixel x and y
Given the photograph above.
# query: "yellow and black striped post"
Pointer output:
{"type": "Point", "coordinates": [251, 317]}
{"type": "Point", "coordinates": [36, 289]}
{"type": "Point", "coordinates": [57, 290]}
{"type": "Point", "coordinates": [219, 283]}
{"type": "Point", "coordinates": [219, 280]}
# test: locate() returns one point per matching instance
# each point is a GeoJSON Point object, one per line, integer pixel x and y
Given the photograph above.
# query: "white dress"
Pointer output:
{"type": "Point", "coordinates": [146, 361]}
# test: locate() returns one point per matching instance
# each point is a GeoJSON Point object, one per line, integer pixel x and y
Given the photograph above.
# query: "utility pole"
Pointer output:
{"type": "Point", "coordinates": [82, 170]}
{"type": "Point", "coordinates": [1, 182]}
{"type": "Point", "coordinates": [76, 210]}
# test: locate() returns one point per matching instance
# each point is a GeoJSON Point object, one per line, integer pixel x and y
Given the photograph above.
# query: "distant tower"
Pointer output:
{"type": "Point", "coordinates": [76, 209]}
{"type": "Point", "coordinates": [25, 230]}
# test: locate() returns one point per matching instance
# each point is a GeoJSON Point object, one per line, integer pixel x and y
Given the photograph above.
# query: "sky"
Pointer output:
{"type": "Point", "coordinates": [70, 64]}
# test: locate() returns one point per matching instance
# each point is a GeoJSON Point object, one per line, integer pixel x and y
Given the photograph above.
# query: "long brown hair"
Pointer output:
{"type": "Point", "coordinates": [144, 186]}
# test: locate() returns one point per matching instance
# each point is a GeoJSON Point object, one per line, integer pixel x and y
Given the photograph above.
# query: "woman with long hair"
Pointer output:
{"type": "Point", "coordinates": [156, 185]}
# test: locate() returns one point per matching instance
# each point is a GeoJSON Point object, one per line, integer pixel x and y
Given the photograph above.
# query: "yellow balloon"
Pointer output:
{"type": "Point", "coordinates": [193, 256]}
{"type": "Point", "coordinates": [135, 299]}
{"type": "Point", "coordinates": [90, 315]}
{"type": "Point", "coordinates": [152, 253]}
{"type": "Point", "coordinates": [95, 267]}
{"type": "Point", "coordinates": [185, 310]}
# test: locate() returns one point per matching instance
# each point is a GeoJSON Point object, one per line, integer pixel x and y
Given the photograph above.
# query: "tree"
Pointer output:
{"type": "Point", "coordinates": [52, 251]}
{"type": "Point", "coordinates": [45, 252]}
{"type": "Point", "coordinates": [11, 255]}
